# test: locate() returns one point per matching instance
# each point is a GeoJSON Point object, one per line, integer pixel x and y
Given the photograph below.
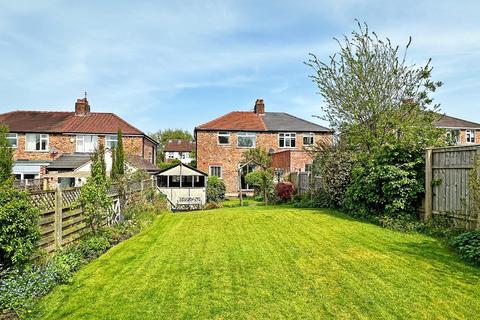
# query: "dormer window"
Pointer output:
{"type": "Point", "coordinates": [223, 138]}
{"type": "Point", "coordinates": [286, 140]}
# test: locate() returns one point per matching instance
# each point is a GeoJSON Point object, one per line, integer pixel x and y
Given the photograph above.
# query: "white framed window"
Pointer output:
{"type": "Point", "coordinates": [36, 142]}
{"type": "Point", "coordinates": [308, 139]}
{"type": "Point", "coordinates": [184, 155]}
{"type": "Point", "coordinates": [12, 139]}
{"type": "Point", "coordinates": [470, 136]}
{"type": "Point", "coordinates": [223, 138]}
{"type": "Point", "coordinates": [86, 143]}
{"type": "Point", "coordinates": [111, 141]}
{"type": "Point", "coordinates": [246, 139]}
{"type": "Point", "coordinates": [286, 140]}
{"type": "Point", "coordinates": [215, 171]}
{"type": "Point", "coordinates": [171, 155]}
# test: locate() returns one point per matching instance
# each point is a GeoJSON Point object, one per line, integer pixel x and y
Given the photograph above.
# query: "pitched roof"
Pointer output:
{"type": "Point", "coordinates": [178, 145]}
{"type": "Point", "coordinates": [66, 122]}
{"type": "Point", "coordinates": [445, 121]}
{"type": "Point", "coordinates": [141, 163]}
{"type": "Point", "coordinates": [280, 121]}
{"type": "Point", "coordinates": [236, 120]}
{"type": "Point", "coordinates": [268, 121]}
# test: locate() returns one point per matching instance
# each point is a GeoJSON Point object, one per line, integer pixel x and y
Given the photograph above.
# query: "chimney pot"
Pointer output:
{"type": "Point", "coordinates": [259, 106]}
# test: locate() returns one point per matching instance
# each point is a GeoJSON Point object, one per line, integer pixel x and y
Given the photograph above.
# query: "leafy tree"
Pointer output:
{"type": "Point", "coordinates": [120, 155]}
{"type": "Point", "coordinates": [6, 155]}
{"type": "Point", "coordinates": [94, 197]}
{"type": "Point", "coordinates": [258, 156]}
{"type": "Point", "coordinates": [162, 138]}
{"type": "Point", "coordinates": [373, 97]}
{"type": "Point", "coordinates": [113, 171]}
{"type": "Point", "coordinates": [262, 177]}
{"type": "Point", "coordinates": [383, 111]}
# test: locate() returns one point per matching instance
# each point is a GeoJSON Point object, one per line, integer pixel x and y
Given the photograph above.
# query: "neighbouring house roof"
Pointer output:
{"type": "Point", "coordinates": [178, 145]}
{"type": "Point", "coordinates": [69, 161]}
{"type": "Point", "coordinates": [268, 121]}
{"type": "Point", "coordinates": [66, 122]}
{"type": "Point", "coordinates": [445, 121]}
{"type": "Point", "coordinates": [140, 163]}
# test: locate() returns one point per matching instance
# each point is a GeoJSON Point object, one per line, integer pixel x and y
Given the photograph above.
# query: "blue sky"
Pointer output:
{"type": "Point", "coordinates": [165, 64]}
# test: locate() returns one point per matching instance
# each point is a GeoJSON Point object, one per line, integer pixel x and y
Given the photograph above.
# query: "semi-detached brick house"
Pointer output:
{"type": "Point", "coordinates": [459, 131]}
{"type": "Point", "coordinates": [40, 137]}
{"type": "Point", "coordinates": [222, 141]}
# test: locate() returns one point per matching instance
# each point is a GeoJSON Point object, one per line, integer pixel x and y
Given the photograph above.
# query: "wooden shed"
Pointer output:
{"type": "Point", "coordinates": [184, 186]}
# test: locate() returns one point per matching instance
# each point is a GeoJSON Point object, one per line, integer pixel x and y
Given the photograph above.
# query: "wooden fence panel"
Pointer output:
{"type": "Point", "coordinates": [447, 184]}
{"type": "Point", "coordinates": [61, 217]}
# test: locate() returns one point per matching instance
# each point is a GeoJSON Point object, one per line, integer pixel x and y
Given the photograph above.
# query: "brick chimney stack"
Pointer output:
{"type": "Point", "coordinates": [259, 106]}
{"type": "Point", "coordinates": [82, 107]}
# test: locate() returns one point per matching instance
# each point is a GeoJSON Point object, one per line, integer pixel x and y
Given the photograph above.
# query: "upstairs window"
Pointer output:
{"type": "Point", "coordinates": [246, 139]}
{"type": "Point", "coordinates": [12, 139]}
{"type": "Point", "coordinates": [111, 141]}
{"type": "Point", "coordinates": [223, 138]}
{"type": "Point", "coordinates": [36, 142]}
{"type": "Point", "coordinates": [87, 143]}
{"type": "Point", "coordinates": [308, 139]}
{"type": "Point", "coordinates": [286, 140]}
{"type": "Point", "coordinates": [216, 171]}
{"type": "Point", "coordinates": [453, 137]}
{"type": "Point", "coordinates": [470, 136]}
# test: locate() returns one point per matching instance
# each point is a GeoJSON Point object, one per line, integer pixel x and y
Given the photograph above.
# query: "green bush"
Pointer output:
{"type": "Point", "coordinates": [468, 246]}
{"type": "Point", "coordinates": [93, 246]}
{"type": "Point", "coordinates": [313, 199]}
{"type": "Point", "coordinates": [215, 189]}
{"type": "Point", "coordinates": [389, 182]}
{"type": "Point", "coordinates": [333, 167]}
{"type": "Point", "coordinates": [19, 231]}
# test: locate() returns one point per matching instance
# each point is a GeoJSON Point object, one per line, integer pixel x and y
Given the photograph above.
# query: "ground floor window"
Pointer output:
{"type": "Point", "coordinates": [246, 170]}
{"type": "Point", "coordinates": [216, 171]}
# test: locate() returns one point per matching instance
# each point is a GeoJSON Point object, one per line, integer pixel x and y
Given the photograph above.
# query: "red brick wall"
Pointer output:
{"type": "Point", "coordinates": [67, 144]}
{"type": "Point", "coordinates": [209, 152]}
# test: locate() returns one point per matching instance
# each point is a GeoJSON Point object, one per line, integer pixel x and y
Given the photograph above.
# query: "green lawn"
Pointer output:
{"type": "Point", "coordinates": [273, 262]}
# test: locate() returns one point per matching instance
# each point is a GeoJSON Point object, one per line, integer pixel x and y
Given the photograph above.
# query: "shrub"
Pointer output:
{"type": "Point", "coordinates": [94, 246]}
{"type": "Point", "coordinates": [19, 231]}
{"type": "Point", "coordinates": [313, 199]}
{"type": "Point", "coordinates": [333, 167]}
{"type": "Point", "coordinates": [285, 190]}
{"type": "Point", "coordinates": [388, 183]}
{"type": "Point", "coordinates": [215, 189]}
{"type": "Point", "coordinates": [468, 246]}
{"type": "Point", "coordinates": [262, 181]}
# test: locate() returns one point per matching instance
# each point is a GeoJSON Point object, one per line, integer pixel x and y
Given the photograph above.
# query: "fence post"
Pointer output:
{"type": "Point", "coordinates": [428, 184]}
{"type": "Point", "coordinates": [58, 217]}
